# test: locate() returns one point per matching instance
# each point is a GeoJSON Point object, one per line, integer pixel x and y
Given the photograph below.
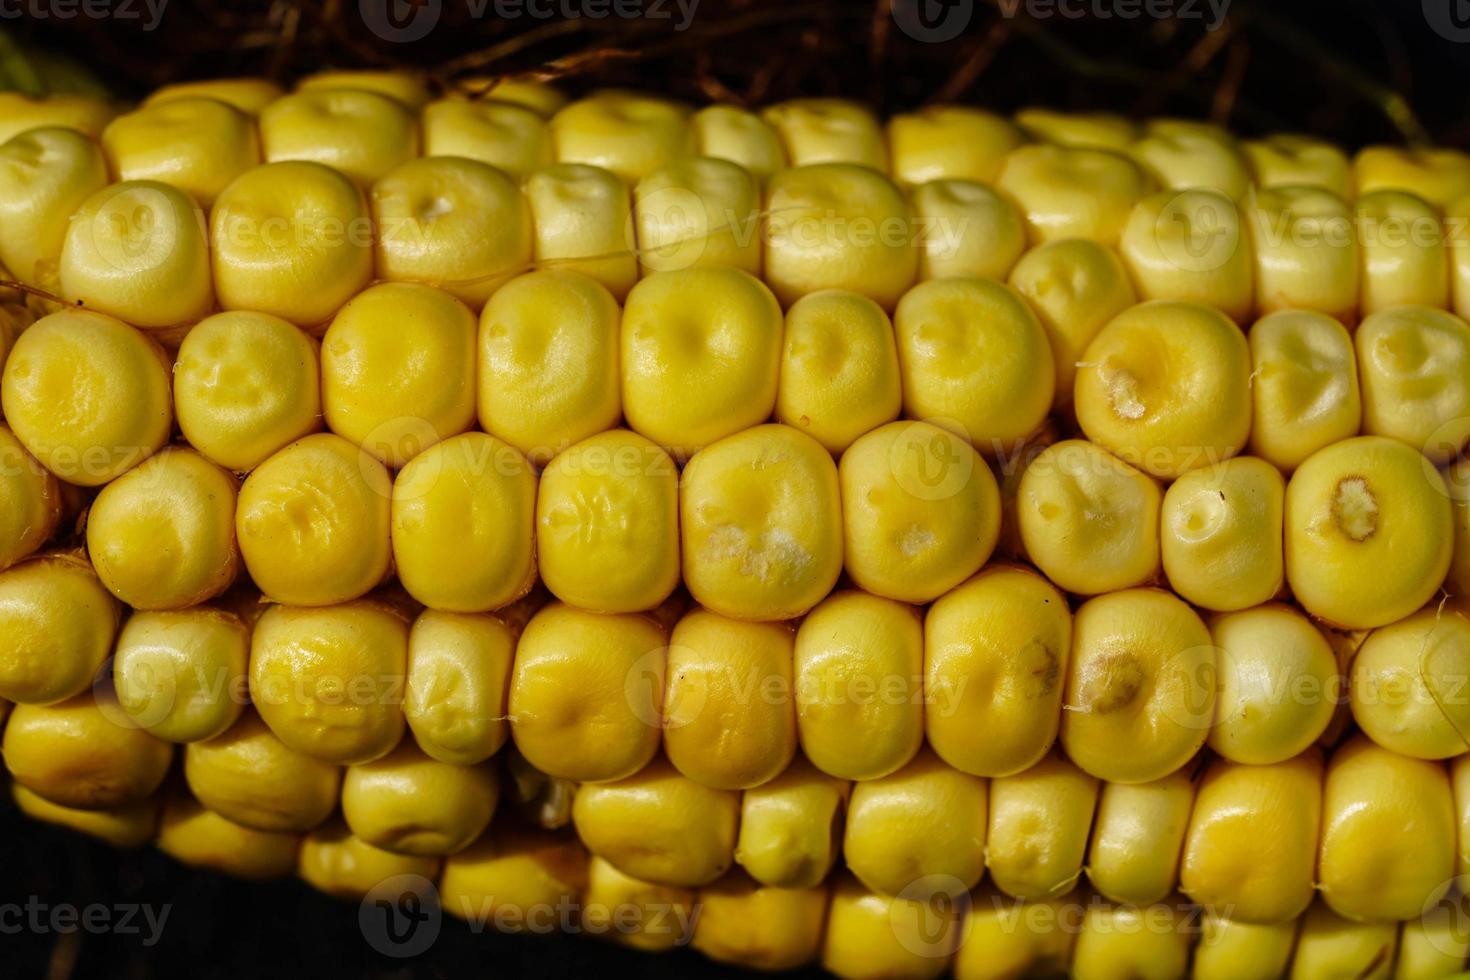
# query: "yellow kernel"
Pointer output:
{"type": "Point", "coordinates": [57, 623]}
{"type": "Point", "coordinates": [740, 136]}
{"type": "Point", "coordinates": [1409, 684]}
{"type": "Point", "coordinates": [629, 134]}
{"type": "Point", "coordinates": [949, 142]}
{"type": "Point", "coordinates": [877, 937]}
{"type": "Point", "coordinates": [1127, 941]}
{"type": "Point", "coordinates": [404, 86]}
{"type": "Point", "coordinates": [1437, 174]}
{"type": "Point", "coordinates": [1221, 534]}
{"type": "Point", "coordinates": [1279, 684]}
{"type": "Point", "coordinates": [398, 370]}
{"type": "Point", "coordinates": [761, 524]}
{"type": "Point", "coordinates": [1075, 288]}
{"type": "Point", "coordinates": [638, 914]}
{"type": "Point", "coordinates": [548, 362]}
{"type": "Point", "coordinates": [32, 498]}
{"type": "Point", "coordinates": [1088, 520]}
{"type": "Point", "coordinates": [838, 226]}
{"type": "Point", "coordinates": [1287, 159]}
{"type": "Point", "coordinates": [698, 211]}
{"type": "Point", "coordinates": [1005, 939]}
{"type": "Point", "coordinates": [659, 826]}
{"type": "Point", "coordinates": [583, 221]}
{"type": "Point", "coordinates": [124, 827]}
{"type": "Point", "coordinates": [1369, 532]}
{"type": "Point", "coordinates": [1039, 824]}
{"type": "Point", "coordinates": [975, 360]}
{"type": "Point", "coordinates": [791, 827]}
{"type": "Point", "coordinates": [1403, 252]}
{"type": "Point", "coordinates": [45, 176]}
{"type": "Point", "coordinates": [995, 659]}
{"type": "Point", "coordinates": [539, 97]}
{"type": "Point", "coordinates": [190, 833]}
{"type": "Point", "coordinates": [252, 778]}
{"type": "Point", "coordinates": [1414, 365]}
{"type": "Point", "coordinates": [1184, 155]}
{"type": "Point", "coordinates": [1137, 837]}
{"type": "Point", "coordinates": [1230, 949]}
{"type": "Point", "coordinates": [1072, 192]}
{"type": "Point", "coordinates": [729, 715]}
{"type": "Point", "coordinates": [249, 95]}
{"type": "Point", "coordinates": [966, 229]}
{"type": "Point", "coordinates": [1189, 246]}
{"type": "Point", "coordinates": [246, 385]}
{"type": "Point", "coordinates": [1304, 382]}
{"type": "Point", "coordinates": [182, 675]}
{"type": "Point", "coordinates": [1306, 250]}
{"type": "Point", "coordinates": [1101, 130]}
{"type": "Point", "coordinates": [355, 131]}
{"type": "Point", "coordinates": [839, 373]}
{"type": "Point", "coordinates": [334, 860]}
{"type": "Point", "coordinates": [828, 131]}
{"type": "Point", "coordinates": [1330, 946]}
{"type": "Point", "coordinates": [458, 684]}
{"type": "Point", "coordinates": [1140, 687]}
{"type": "Point", "coordinates": [329, 682]}
{"type": "Point", "coordinates": [313, 522]}
{"type": "Point", "coordinates": [759, 927]}
{"type": "Point", "coordinates": [1251, 849]}
{"type": "Point", "coordinates": [79, 754]}
{"type": "Point", "coordinates": [917, 831]}
{"type": "Point", "coordinates": [293, 239]}
{"type": "Point", "coordinates": [859, 662]}
{"type": "Point", "coordinates": [586, 695]}
{"type": "Point", "coordinates": [512, 137]}
{"type": "Point", "coordinates": [82, 113]}
{"type": "Point", "coordinates": [1433, 945]}
{"type": "Point", "coordinates": [195, 144]}
{"type": "Point", "coordinates": [515, 878]}
{"type": "Point", "coordinates": [383, 802]}
{"type": "Point", "coordinates": [457, 224]}
{"type": "Point", "coordinates": [1387, 847]}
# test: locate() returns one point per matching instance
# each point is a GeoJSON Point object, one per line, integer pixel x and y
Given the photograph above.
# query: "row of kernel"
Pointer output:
{"type": "Point", "coordinates": [139, 251]}
{"type": "Point", "coordinates": [521, 880]}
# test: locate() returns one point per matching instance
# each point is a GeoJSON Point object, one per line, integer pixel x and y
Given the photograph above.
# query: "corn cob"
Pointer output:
{"type": "Point", "coordinates": [544, 255]}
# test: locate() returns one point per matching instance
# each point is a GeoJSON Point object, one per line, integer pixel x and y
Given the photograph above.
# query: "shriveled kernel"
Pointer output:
{"type": "Point", "coordinates": [1304, 382]}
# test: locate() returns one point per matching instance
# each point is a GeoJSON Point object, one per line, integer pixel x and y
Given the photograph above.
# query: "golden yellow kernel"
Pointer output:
{"type": "Point", "coordinates": [1402, 252]}
{"type": "Point", "coordinates": [252, 778]}
{"type": "Point", "coordinates": [607, 524]}
{"type": "Point", "coordinates": [83, 113]}
{"type": "Point", "coordinates": [83, 754]}
{"type": "Point", "coordinates": [1005, 939]}
{"type": "Point", "coordinates": [839, 373]}
{"type": "Point", "coordinates": [329, 682]}
{"type": "Point", "coordinates": [729, 715]}
{"type": "Point", "coordinates": [1408, 684]}
{"type": "Point", "coordinates": [125, 827]}
{"type": "Point", "coordinates": [1306, 250]}
{"type": "Point", "coordinates": [761, 524]}
{"type": "Point", "coordinates": [1140, 686]}
{"type": "Point", "coordinates": [353, 130]}
{"type": "Point", "coordinates": [966, 229]}
{"type": "Point", "coordinates": [515, 879]}
{"type": "Point", "coordinates": [995, 659]}
{"type": "Point", "coordinates": [1185, 155]}
{"type": "Point", "coordinates": [249, 95]}
{"type": "Point", "coordinates": [1039, 825]}
{"type": "Point", "coordinates": [458, 685]}
{"type": "Point", "coordinates": [182, 675]}
{"type": "Point", "coordinates": [405, 86]}
{"type": "Point", "coordinates": [586, 696]}
{"type": "Point", "coordinates": [1433, 945]}
{"type": "Point", "coordinates": [1075, 287]}
{"type": "Point", "coordinates": [1330, 946]}
{"type": "Point", "coordinates": [949, 142]}
{"type": "Point", "coordinates": [659, 826]}
{"type": "Point", "coordinates": [1221, 534]}
{"type": "Point", "coordinates": [583, 222]}
{"type": "Point", "coordinates": [1087, 519]}
{"type": "Point", "coordinates": [630, 134]}
{"type": "Point", "coordinates": [1189, 246]}
{"type": "Point", "coordinates": [859, 663]}
{"type": "Point", "coordinates": [729, 133]}
{"type": "Point", "coordinates": [838, 226]}
{"type": "Point", "coordinates": [294, 239]}
{"type": "Point", "coordinates": [1279, 684]}
{"type": "Point", "coordinates": [196, 144]}
{"type": "Point", "coordinates": [698, 211]}
{"type": "Point", "coordinates": [829, 131]}
{"type": "Point", "coordinates": [503, 134]}
{"type": "Point", "coordinates": [1388, 843]}
{"type": "Point", "coordinates": [32, 498]}
{"type": "Point", "coordinates": [1229, 949]}
{"type": "Point", "coordinates": [1100, 130]}
{"type": "Point", "coordinates": [162, 536]}
{"type": "Point", "coordinates": [919, 831]}
{"type": "Point", "coordinates": [791, 827]}
{"type": "Point", "coordinates": [45, 176]}
{"type": "Point", "coordinates": [190, 833]}
{"type": "Point", "coordinates": [1414, 365]}
{"type": "Point", "coordinates": [975, 360]}
{"type": "Point", "coordinates": [1289, 159]}
{"type": "Point", "coordinates": [398, 370]}
{"type": "Point", "coordinates": [1072, 192]}
{"type": "Point", "coordinates": [1437, 174]}
{"type": "Point", "coordinates": [1457, 480]}
{"type": "Point", "coordinates": [638, 914]}
{"type": "Point", "coordinates": [1128, 941]}
{"type": "Point", "coordinates": [333, 860]}
{"type": "Point", "coordinates": [245, 386]}
{"type": "Point", "coordinates": [386, 802]}
{"type": "Point", "coordinates": [1369, 532]}
{"type": "Point", "coordinates": [1304, 385]}
{"type": "Point", "coordinates": [759, 927]}
{"type": "Point", "coordinates": [1251, 849]}
{"type": "Point", "coordinates": [316, 548]}
{"type": "Point", "coordinates": [457, 224]}
{"type": "Point", "coordinates": [877, 937]}
{"type": "Point", "coordinates": [539, 97]}
{"type": "Point", "coordinates": [57, 624]}
{"type": "Point", "coordinates": [1137, 837]}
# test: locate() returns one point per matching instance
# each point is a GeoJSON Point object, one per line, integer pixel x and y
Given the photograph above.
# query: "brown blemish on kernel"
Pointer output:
{"type": "Point", "coordinates": [1040, 669]}
{"type": "Point", "coordinates": [1110, 683]}
{"type": "Point", "coordinates": [1354, 508]}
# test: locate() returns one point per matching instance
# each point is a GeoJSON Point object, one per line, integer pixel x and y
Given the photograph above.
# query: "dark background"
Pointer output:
{"type": "Point", "coordinates": [1356, 71]}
